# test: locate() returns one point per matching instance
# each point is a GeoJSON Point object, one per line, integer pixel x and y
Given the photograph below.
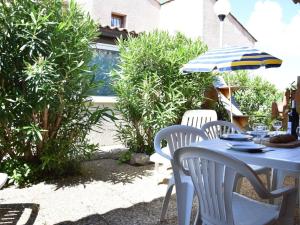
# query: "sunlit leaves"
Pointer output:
{"type": "Point", "coordinates": [255, 96]}
{"type": "Point", "coordinates": [152, 92]}
{"type": "Point", "coordinates": [44, 81]}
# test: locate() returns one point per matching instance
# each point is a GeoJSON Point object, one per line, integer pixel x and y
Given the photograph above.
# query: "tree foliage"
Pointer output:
{"type": "Point", "coordinates": [255, 96]}
{"type": "Point", "coordinates": [44, 80]}
{"type": "Point", "coordinates": [152, 93]}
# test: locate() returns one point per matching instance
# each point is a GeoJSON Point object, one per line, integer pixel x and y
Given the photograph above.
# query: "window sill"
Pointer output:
{"type": "Point", "coordinates": [103, 99]}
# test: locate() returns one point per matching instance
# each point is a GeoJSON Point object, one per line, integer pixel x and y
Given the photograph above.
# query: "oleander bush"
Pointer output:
{"type": "Point", "coordinates": [152, 93]}
{"type": "Point", "coordinates": [44, 80]}
{"type": "Point", "coordinates": [255, 96]}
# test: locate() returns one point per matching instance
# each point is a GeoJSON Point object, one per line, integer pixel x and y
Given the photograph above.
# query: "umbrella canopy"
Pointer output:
{"type": "Point", "coordinates": [230, 59]}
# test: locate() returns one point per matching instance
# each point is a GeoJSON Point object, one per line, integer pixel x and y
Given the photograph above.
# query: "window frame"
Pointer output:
{"type": "Point", "coordinates": [99, 98]}
{"type": "Point", "coordinates": [119, 16]}
{"type": "Point", "coordinates": [104, 46]}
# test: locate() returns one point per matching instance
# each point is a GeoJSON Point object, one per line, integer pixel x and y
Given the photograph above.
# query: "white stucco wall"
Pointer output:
{"type": "Point", "coordinates": [87, 5]}
{"type": "Point", "coordinates": [232, 33]}
{"type": "Point", "coordinates": [194, 18]}
{"type": "Point", "coordinates": [106, 136]}
{"type": "Point", "coordinates": [141, 15]}
{"type": "Point", "coordinates": [184, 16]}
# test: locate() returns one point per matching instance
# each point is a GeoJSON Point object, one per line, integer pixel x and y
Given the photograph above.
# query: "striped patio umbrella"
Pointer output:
{"type": "Point", "coordinates": [230, 59]}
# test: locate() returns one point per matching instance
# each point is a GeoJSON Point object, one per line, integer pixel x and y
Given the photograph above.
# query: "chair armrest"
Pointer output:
{"type": "Point", "coordinates": [283, 191]}
{"type": "Point", "coordinates": [263, 193]}
{"type": "Point", "coordinates": [159, 151]}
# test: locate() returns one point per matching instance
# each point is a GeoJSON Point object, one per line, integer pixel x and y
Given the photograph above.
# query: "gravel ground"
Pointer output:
{"type": "Point", "coordinates": [105, 194]}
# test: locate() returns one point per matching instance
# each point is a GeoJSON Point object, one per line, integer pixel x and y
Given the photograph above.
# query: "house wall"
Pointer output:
{"type": "Point", "coordinates": [194, 18]}
{"type": "Point", "coordinates": [184, 16]}
{"type": "Point", "coordinates": [141, 15]}
{"type": "Point", "coordinates": [106, 136]}
{"type": "Point", "coordinates": [233, 33]}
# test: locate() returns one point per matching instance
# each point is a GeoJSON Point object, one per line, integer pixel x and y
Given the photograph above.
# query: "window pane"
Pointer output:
{"type": "Point", "coordinates": [116, 22]}
{"type": "Point", "coordinates": [105, 61]}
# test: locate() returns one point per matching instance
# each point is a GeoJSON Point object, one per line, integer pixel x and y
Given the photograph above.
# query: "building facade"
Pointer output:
{"type": "Point", "coordinates": [194, 18]}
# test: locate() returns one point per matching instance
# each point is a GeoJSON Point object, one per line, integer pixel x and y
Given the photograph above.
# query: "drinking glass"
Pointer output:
{"type": "Point", "coordinates": [261, 131]}
{"type": "Point", "coordinates": [277, 124]}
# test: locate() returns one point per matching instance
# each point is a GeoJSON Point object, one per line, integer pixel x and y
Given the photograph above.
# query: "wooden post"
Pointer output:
{"type": "Point", "coordinates": [285, 108]}
{"type": "Point", "coordinates": [275, 111]}
{"type": "Point", "coordinates": [210, 98]}
{"type": "Point", "coordinates": [242, 121]}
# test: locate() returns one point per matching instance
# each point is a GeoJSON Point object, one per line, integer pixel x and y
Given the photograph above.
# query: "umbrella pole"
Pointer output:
{"type": "Point", "coordinates": [231, 117]}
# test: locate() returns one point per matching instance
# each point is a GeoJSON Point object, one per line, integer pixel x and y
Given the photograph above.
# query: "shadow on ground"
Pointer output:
{"type": "Point", "coordinates": [148, 213]}
{"type": "Point", "coordinates": [145, 213]}
{"type": "Point", "coordinates": [12, 214]}
{"type": "Point", "coordinates": [106, 170]}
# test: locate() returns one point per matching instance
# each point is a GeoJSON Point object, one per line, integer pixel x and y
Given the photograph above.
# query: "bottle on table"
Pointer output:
{"type": "Point", "coordinates": [293, 122]}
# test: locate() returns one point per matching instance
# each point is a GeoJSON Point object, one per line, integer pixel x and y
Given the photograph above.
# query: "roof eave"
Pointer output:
{"type": "Point", "coordinates": [162, 2]}
{"type": "Point", "coordinates": [244, 28]}
{"type": "Point", "coordinates": [116, 31]}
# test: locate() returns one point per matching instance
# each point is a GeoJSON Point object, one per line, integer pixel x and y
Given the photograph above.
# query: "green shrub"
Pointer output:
{"type": "Point", "coordinates": [151, 91]}
{"type": "Point", "coordinates": [44, 80]}
{"type": "Point", "coordinates": [255, 96]}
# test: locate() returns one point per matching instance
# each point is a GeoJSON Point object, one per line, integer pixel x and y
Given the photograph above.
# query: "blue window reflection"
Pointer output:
{"type": "Point", "coordinates": [105, 61]}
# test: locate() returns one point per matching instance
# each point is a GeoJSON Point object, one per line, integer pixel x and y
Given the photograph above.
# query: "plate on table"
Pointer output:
{"type": "Point", "coordinates": [236, 137]}
{"type": "Point", "coordinates": [246, 147]}
{"type": "Point", "coordinates": [254, 133]}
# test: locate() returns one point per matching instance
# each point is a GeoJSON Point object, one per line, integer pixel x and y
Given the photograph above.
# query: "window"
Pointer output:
{"type": "Point", "coordinates": [106, 58]}
{"type": "Point", "coordinates": [118, 20]}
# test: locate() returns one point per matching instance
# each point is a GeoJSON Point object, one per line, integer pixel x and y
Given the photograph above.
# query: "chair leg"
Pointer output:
{"type": "Point", "coordinates": [184, 198]}
{"type": "Point", "coordinates": [287, 211]}
{"type": "Point", "coordinates": [297, 178]}
{"type": "Point", "coordinates": [278, 181]}
{"type": "Point", "coordinates": [274, 179]}
{"type": "Point", "coordinates": [268, 177]}
{"type": "Point", "coordinates": [297, 184]}
{"type": "Point", "coordinates": [269, 185]}
{"type": "Point", "coordinates": [166, 200]}
{"type": "Point", "coordinates": [198, 220]}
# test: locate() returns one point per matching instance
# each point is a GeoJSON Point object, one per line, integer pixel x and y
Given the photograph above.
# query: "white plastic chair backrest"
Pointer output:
{"type": "Point", "coordinates": [198, 117]}
{"type": "Point", "coordinates": [177, 136]}
{"type": "Point", "coordinates": [215, 129]}
{"type": "Point", "coordinates": [213, 175]}
{"type": "Point", "coordinates": [3, 179]}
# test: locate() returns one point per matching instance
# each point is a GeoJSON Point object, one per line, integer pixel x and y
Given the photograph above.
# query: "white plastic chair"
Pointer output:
{"type": "Point", "coordinates": [193, 118]}
{"type": "Point", "coordinates": [198, 117]}
{"type": "Point", "coordinates": [215, 129]}
{"type": "Point", "coordinates": [176, 137]}
{"type": "Point", "coordinates": [3, 179]}
{"type": "Point", "coordinates": [214, 174]}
